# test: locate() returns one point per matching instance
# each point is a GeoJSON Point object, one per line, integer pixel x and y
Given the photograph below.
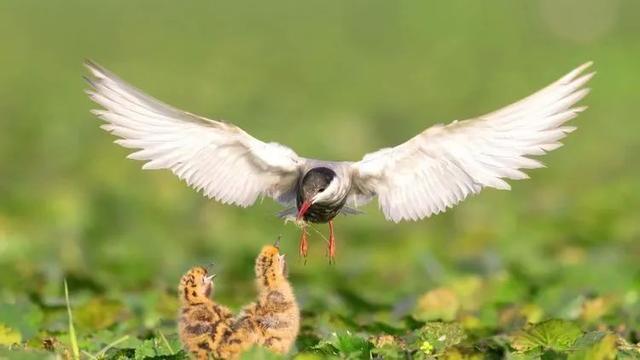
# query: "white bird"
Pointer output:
{"type": "Point", "coordinates": [425, 175]}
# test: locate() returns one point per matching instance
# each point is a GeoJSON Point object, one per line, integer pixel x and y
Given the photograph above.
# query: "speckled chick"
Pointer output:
{"type": "Point", "coordinates": [203, 323]}
{"type": "Point", "coordinates": [276, 314]}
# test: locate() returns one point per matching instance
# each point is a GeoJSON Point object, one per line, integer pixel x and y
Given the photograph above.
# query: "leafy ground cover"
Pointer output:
{"type": "Point", "coordinates": [495, 316]}
{"type": "Point", "coordinates": [548, 270]}
{"type": "Point", "coordinates": [577, 301]}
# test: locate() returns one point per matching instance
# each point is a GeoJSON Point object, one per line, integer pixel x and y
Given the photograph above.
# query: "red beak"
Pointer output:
{"type": "Point", "coordinates": [303, 209]}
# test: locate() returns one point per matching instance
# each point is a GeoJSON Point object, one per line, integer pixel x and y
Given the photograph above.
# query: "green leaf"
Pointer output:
{"type": "Point", "coordinates": [350, 344]}
{"type": "Point", "coordinates": [387, 347]}
{"type": "Point", "coordinates": [102, 339]}
{"type": "Point", "coordinates": [388, 352]}
{"type": "Point", "coordinates": [147, 349]}
{"type": "Point", "coordinates": [155, 347]}
{"type": "Point", "coordinates": [325, 347]}
{"type": "Point", "coordinates": [22, 316]}
{"type": "Point", "coordinates": [260, 353]}
{"type": "Point", "coordinates": [98, 313]}
{"type": "Point", "coordinates": [437, 304]}
{"type": "Point", "coordinates": [555, 334]}
{"type": "Point", "coordinates": [595, 345]}
{"type": "Point", "coordinates": [435, 337]}
{"type": "Point", "coordinates": [9, 336]}
{"type": "Point", "coordinates": [344, 344]}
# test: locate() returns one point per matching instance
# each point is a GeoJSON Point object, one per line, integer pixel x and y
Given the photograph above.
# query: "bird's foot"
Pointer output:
{"type": "Point", "coordinates": [304, 245]}
{"type": "Point", "coordinates": [331, 249]}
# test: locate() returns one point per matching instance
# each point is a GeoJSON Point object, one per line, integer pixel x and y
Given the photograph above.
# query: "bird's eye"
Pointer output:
{"type": "Point", "coordinates": [321, 189]}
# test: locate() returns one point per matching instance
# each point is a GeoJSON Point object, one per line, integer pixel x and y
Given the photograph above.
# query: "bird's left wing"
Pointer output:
{"type": "Point", "coordinates": [444, 164]}
{"type": "Point", "coordinates": [219, 158]}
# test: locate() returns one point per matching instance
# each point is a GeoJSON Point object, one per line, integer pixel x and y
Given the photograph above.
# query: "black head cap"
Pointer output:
{"type": "Point", "coordinates": [314, 181]}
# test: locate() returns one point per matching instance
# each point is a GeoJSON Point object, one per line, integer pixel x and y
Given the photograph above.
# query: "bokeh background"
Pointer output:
{"type": "Point", "coordinates": [334, 80]}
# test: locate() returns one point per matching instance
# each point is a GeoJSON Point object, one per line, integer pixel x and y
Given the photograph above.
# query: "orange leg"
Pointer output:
{"type": "Point", "coordinates": [332, 244]}
{"type": "Point", "coordinates": [304, 246]}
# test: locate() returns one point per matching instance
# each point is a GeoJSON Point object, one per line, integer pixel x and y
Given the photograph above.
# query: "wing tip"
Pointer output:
{"type": "Point", "coordinates": [91, 65]}
{"type": "Point", "coordinates": [579, 109]}
{"type": "Point", "coordinates": [97, 70]}
{"type": "Point", "coordinates": [573, 74]}
{"type": "Point", "coordinates": [584, 66]}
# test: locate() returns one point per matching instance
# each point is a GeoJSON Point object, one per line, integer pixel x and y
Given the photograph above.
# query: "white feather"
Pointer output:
{"type": "Point", "coordinates": [218, 158]}
{"type": "Point", "coordinates": [440, 167]}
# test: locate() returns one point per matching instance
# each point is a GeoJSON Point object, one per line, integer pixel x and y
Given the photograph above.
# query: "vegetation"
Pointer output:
{"type": "Point", "coordinates": [549, 269]}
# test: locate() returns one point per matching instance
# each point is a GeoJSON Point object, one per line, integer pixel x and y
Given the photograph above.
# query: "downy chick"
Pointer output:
{"type": "Point", "coordinates": [275, 317]}
{"type": "Point", "coordinates": [202, 322]}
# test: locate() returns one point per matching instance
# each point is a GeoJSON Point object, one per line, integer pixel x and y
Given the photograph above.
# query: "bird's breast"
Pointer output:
{"type": "Point", "coordinates": [322, 213]}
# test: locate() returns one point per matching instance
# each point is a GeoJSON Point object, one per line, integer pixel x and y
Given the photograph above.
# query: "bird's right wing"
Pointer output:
{"type": "Point", "coordinates": [219, 158]}
{"type": "Point", "coordinates": [441, 166]}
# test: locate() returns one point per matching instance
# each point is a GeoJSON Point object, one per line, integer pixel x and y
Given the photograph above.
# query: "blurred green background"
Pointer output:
{"type": "Point", "coordinates": [333, 80]}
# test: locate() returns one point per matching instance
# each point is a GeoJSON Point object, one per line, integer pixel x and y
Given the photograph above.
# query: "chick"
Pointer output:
{"type": "Point", "coordinates": [274, 320]}
{"type": "Point", "coordinates": [203, 323]}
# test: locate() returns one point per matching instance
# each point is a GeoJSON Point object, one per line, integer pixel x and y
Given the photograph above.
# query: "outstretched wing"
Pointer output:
{"type": "Point", "coordinates": [441, 166]}
{"type": "Point", "coordinates": [220, 159]}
